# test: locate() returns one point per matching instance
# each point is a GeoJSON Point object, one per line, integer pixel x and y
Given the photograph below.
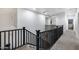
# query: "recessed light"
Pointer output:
{"type": "Point", "coordinates": [34, 8]}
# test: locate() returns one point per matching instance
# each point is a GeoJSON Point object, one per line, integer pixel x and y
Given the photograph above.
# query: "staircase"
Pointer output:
{"type": "Point", "coordinates": [13, 39]}
{"type": "Point", "coordinates": [24, 39]}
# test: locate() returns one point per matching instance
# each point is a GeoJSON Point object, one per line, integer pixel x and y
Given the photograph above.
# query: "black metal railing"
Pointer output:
{"type": "Point", "coordinates": [13, 39]}
{"type": "Point", "coordinates": [46, 39]}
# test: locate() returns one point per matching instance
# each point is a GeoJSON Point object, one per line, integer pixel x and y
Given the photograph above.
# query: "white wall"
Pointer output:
{"type": "Point", "coordinates": [32, 21]}
{"type": "Point", "coordinates": [60, 20]}
{"type": "Point", "coordinates": [7, 18]}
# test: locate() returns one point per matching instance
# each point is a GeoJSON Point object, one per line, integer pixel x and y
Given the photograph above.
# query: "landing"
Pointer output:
{"type": "Point", "coordinates": [67, 41]}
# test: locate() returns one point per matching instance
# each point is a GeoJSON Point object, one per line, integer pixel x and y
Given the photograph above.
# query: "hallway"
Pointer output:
{"type": "Point", "coordinates": [67, 41]}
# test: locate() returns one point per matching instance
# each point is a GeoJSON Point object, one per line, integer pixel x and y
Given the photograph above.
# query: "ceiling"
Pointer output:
{"type": "Point", "coordinates": [53, 11]}
{"type": "Point", "coordinates": [50, 11]}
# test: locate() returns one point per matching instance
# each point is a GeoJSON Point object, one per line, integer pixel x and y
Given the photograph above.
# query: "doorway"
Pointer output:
{"type": "Point", "coordinates": [70, 24]}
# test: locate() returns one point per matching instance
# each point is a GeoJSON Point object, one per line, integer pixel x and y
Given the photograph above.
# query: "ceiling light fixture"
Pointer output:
{"type": "Point", "coordinates": [34, 8]}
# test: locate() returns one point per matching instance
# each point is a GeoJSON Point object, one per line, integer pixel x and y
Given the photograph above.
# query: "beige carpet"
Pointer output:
{"type": "Point", "coordinates": [67, 41]}
{"type": "Point", "coordinates": [27, 47]}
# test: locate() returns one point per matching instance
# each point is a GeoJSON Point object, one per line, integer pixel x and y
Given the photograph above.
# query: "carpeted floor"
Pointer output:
{"type": "Point", "coordinates": [67, 41]}
{"type": "Point", "coordinates": [27, 47]}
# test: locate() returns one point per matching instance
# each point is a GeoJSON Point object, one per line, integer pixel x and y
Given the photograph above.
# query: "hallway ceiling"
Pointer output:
{"type": "Point", "coordinates": [50, 11]}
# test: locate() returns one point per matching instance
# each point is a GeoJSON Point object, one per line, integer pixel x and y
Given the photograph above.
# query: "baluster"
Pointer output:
{"type": "Point", "coordinates": [0, 40]}
{"type": "Point", "coordinates": [18, 38]}
{"type": "Point", "coordinates": [21, 37]}
{"type": "Point", "coordinates": [9, 39]}
{"type": "Point", "coordinates": [4, 40]}
{"type": "Point", "coordinates": [26, 36]}
{"type": "Point", "coordinates": [12, 40]}
{"type": "Point", "coordinates": [15, 38]}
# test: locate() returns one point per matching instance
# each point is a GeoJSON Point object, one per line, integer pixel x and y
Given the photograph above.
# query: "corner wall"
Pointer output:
{"type": "Point", "coordinates": [8, 18]}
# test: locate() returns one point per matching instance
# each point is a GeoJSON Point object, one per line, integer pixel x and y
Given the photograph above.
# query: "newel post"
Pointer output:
{"type": "Point", "coordinates": [37, 39]}
{"type": "Point", "coordinates": [23, 35]}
